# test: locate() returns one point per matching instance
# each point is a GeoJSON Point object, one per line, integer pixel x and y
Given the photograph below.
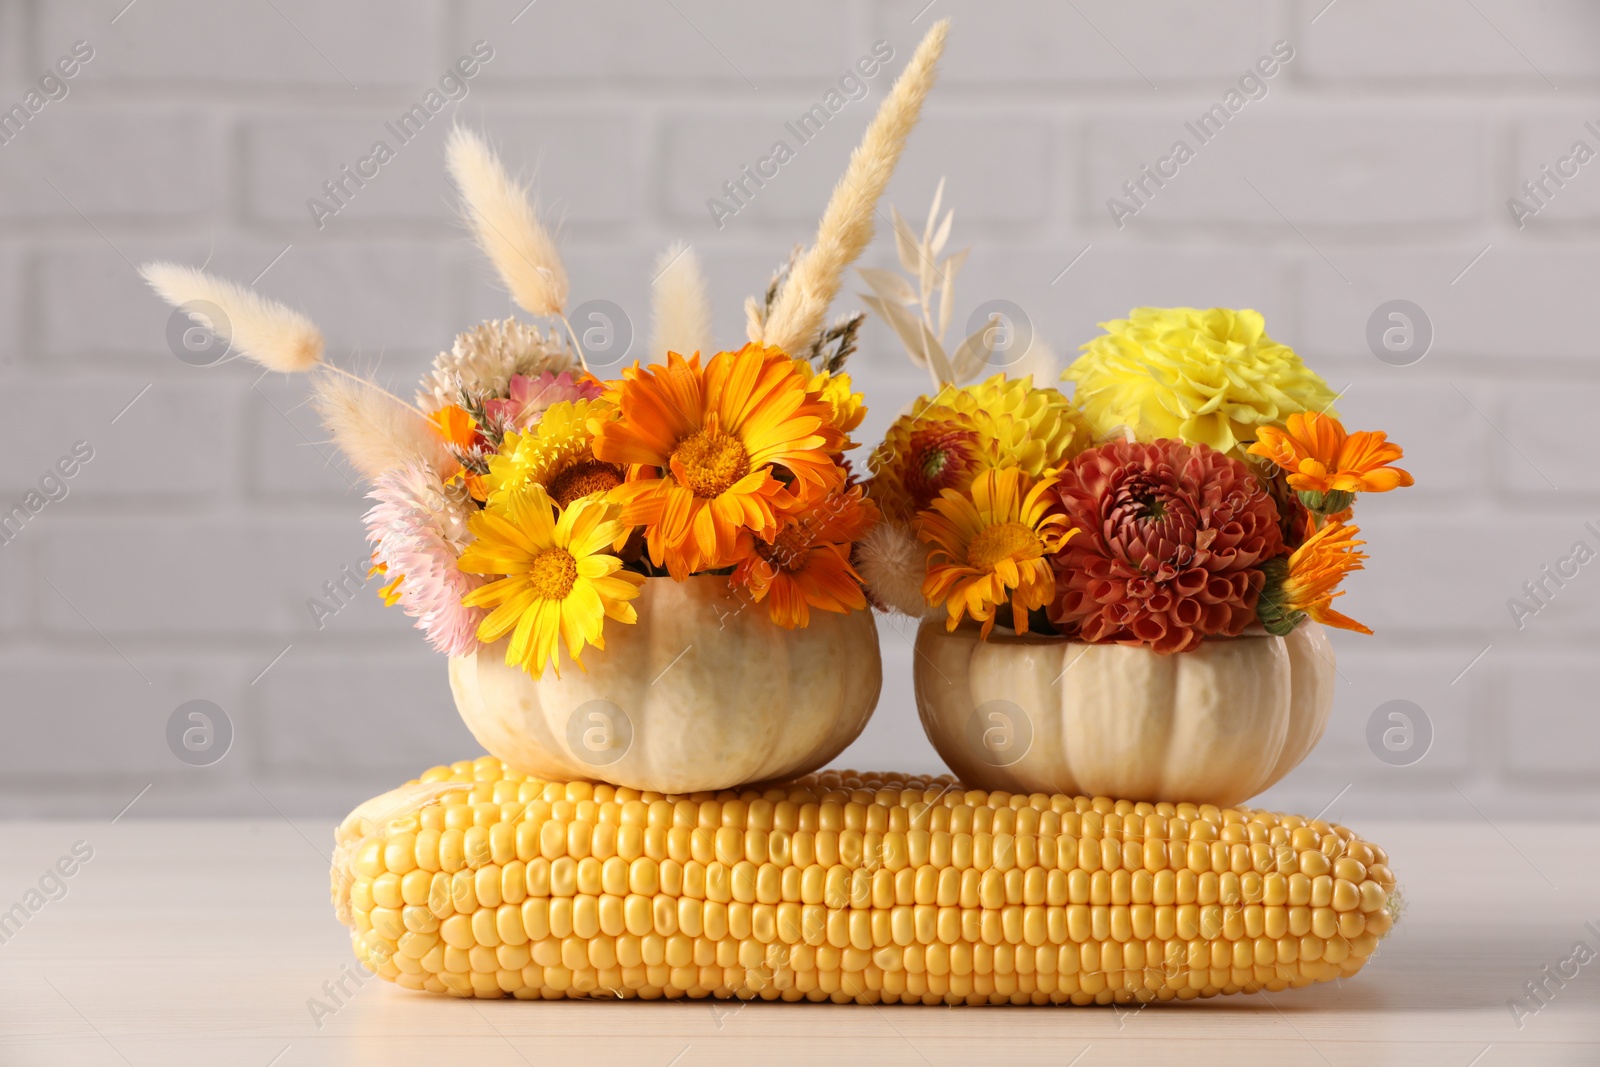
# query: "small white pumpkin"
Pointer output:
{"type": "Point", "coordinates": [1039, 714]}
{"type": "Point", "coordinates": [704, 692]}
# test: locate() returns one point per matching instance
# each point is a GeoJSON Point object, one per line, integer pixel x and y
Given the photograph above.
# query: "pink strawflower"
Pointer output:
{"type": "Point", "coordinates": [530, 396]}
{"type": "Point", "coordinates": [419, 527]}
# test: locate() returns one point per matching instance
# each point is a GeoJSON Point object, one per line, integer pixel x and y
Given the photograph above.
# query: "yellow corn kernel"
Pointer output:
{"type": "Point", "coordinates": [881, 889]}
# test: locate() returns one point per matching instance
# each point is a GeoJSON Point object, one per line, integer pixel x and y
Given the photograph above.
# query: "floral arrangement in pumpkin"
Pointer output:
{"type": "Point", "coordinates": [522, 498]}
{"type": "Point", "coordinates": [1197, 483]}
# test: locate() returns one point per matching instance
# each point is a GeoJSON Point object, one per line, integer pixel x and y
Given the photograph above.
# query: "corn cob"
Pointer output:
{"type": "Point", "coordinates": [874, 888]}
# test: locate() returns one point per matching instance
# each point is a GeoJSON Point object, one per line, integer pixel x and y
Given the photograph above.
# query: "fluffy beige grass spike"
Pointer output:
{"type": "Point", "coordinates": [273, 334]}
{"type": "Point", "coordinates": [375, 431]}
{"type": "Point", "coordinates": [506, 225]}
{"type": "Point", "coordinates": [680, 306]}
{"type": "Point", "coordinates": [846, 226]}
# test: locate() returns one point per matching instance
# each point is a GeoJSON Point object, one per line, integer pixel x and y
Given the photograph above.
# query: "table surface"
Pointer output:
{"type": "Point", "coordinates": [209, 942]}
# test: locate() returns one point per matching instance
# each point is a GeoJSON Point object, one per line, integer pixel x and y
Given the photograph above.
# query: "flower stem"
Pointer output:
{"type": "Point", "coordinates": [576, 346]}
{"type": "Point", "coordinates": [370, 384]}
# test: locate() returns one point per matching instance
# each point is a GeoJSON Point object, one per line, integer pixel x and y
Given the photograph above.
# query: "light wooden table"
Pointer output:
{"type": "Point", "coordinates": [204, 942]}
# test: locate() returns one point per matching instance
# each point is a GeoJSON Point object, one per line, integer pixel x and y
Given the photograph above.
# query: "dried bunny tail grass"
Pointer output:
{"type": "Point", "coordinates": [1039, 360]}
{"type": "Point", "coordinates": [893, 563]}
{"type": "Point", "coordinates": [846, 226]}
{"type": "Point", "coordinates": [273, 334]}
{"type": "Point", "coordinates": [506, 225]}
{"type": "Point", "coordinates": [680, 306]}
{"type": "Point", "coordinates": [755, 318]}
{"type": "Point", "coordinates": [376, 431]}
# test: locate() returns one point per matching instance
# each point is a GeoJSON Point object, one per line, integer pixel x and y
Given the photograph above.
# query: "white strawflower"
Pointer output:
{"type": "Point", "coordinates": [484, 358]}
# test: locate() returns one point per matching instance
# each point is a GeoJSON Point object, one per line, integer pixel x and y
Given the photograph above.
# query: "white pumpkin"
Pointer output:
{"type": "Point", "coordinates": [1047, 715]}
{"type": "Point", "coordinates": [704, 692]}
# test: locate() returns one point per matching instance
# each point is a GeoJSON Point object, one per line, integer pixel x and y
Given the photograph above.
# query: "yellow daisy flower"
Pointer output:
{"type": "Point", "coordinates": [1204, 377]}
{"type": "Point", "coordinates": [556, 454]}
{"type": "Point", "coordinates": [561, 582]}
{"type": "Point", "coordinates": [994, 544]}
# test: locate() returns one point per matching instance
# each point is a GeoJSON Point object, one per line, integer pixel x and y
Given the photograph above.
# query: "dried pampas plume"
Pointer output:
{"type": "Point", "coordinates": [273, 334]}
{"type": "Point", "coordinates": [680, 307]}
{"type": "Point", "coordinates": [846, 226]}
{"type": "Point", "coordinates": [376, 431]}
{"type": "Point", "coordinates": [893, 562]}
{"type": "Point", "coordinates": [506, 225]}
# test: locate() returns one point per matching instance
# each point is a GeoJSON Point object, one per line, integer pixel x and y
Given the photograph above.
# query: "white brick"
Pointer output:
{"type": "Point", "coordinates": [1438, 40]}
{"type": "Point", "coordinates": [14, 62]}
{"type": "Point", "coordinates": [153, 576]}
{"type": "Point", "coordinates": [174, 441]}
{"type": "Point", "coordinates": [11, 304]}
{"type": "Point", "coordinates": [1549, 142]}
{"type": "Point", "coordinates": [736, 270]}
{"type": "Point", "coordinates": [1550, 704]}
{"type": "Point", "coordinates": [1350, 166]}
{"type": "Point", "coordinates": [288, 42]}
{"type": "Point", "coordinates": [1375, 670]}
{"type": "Point", "coordinates": [369, 298]}
{"type": "Point", "coordinates": [709, 42]}
{"type": "Point", "coordinates": [1445, 575]}
{"type": "Point", "coordinates": [1447, 445]}
{"type": "Point", "coordinates": [1022, 42]}
{"type": "Point", "coordinates": [84, 712]}
{"type": "Point", "coordinates": [110, 163]}
{"type": "Point", "coordinates": [703, 153]}
{"type": "Point", "coordinates": [1111, 278]}
{"type": "Point", "coordinates": [287, 450]}
{"type": "Point", "coordinates": [16, 582]}
{"type": "Point", "coordinates": [336, 715]}
{"type": "Point", "coordinates": [129, 324]}
{"type": "Point", "coordinates": [700, 153]}
{"type": "Point", "coordinates": [1549, 422]}
{"type": "Point", "coordinates": [620, 273]}
{"type": "Point", "coordinates": [1471, 316]}
{"type": "Point", "coordinates": [585, 164]}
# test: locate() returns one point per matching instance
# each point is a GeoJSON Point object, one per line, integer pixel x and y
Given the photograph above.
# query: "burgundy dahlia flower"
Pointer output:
{"type": "Point", "coordinates": [1171, 542]}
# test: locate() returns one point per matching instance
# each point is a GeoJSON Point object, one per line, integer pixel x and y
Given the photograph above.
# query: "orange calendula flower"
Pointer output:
{"type": "Point", "coordinates": [714, 451]}
{"type": "Point", "coordinates": [1304, 585]}
{"type": "Point", "coordinates": [1322, 458]}
{"type": "Point", "coordinates": [993, 546]}
{"type": "Point", "coordinates": [807, 565]}
{"type": "Point", "coordinates": [456, 426]}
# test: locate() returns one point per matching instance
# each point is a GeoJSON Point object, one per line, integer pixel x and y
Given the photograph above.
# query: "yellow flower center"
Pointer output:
{"type": "Point", "coordinates": [710, 460]}
{"type": "Point", "coordinates": [1007, 540]}
{"type": "Point", "coordinates": [788, 550]}
{"type": "Point", "coordinates": [583, 478]}
{"type": "Point", "coordinates": [553, 574]}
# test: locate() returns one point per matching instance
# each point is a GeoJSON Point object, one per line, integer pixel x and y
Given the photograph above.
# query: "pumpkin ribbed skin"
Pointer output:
{"type": "Point", "coordinates": [703, 692]}
{"type": "Point", "coordinates": [1216, 725]}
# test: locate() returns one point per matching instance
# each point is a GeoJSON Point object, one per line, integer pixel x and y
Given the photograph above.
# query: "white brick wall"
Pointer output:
{"type": "Point", "coordinates": [1381, 156]}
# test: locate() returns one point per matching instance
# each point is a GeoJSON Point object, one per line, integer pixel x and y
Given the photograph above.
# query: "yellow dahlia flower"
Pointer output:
{"type": "Point", "coordinates": [1204, 377]}
{"type": "Point", "coordinates": [556, 454]}
{"type": "Point", "coordinates": [948, 440]}
{"type": "Point", "coordinates": [1026, 427]}
{"type": "Point", "coordinates": [561, 581]}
